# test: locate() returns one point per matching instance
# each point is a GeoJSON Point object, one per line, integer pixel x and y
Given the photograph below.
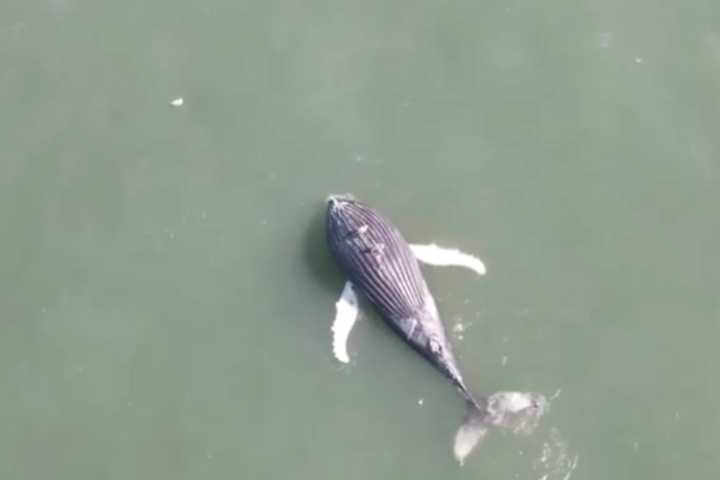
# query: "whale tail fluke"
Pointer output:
{"type": "Point", "coordinates": [471, 432]}
{"type": "Point", "coordinates": [518, 412]}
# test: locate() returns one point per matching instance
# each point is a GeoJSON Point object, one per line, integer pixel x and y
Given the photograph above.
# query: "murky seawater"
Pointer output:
{"type": "Point", "coordinates": [167, 292]}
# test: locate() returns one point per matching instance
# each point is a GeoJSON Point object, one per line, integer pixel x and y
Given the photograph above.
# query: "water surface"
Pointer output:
{"type": "Point", "coordinates": [167, 293]}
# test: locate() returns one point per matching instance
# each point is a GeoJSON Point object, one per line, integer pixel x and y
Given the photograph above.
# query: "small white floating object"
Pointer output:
{"type": "Point", "coordinates": [639, 60]}
{"type": "Point", "coordinates": [434, 255]}
{"type": "Point", "coordinates": [177, 102]}
{"type": "Point", "coordinates": [605, 39]}
{"type": "Point", "coordinates": [420, 401]}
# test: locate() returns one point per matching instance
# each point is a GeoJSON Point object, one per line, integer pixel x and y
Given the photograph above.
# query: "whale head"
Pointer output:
{"type": "Point", "coordinates": [342, 218]}
{"type": "Point", "coordinates": [339, 199]}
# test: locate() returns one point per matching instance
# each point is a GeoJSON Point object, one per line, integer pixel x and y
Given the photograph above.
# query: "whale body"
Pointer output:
{"type": "Point", "coordinates": [384, 268]}
{"type": "Point", "coordinates": [381, 265]}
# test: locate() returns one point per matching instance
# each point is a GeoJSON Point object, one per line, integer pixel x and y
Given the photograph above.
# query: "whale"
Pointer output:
{"type": "Point", "coordinates": [383, 268]}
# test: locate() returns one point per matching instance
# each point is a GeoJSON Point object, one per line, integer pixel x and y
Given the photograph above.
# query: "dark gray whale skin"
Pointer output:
{"type": "Point", "coordinates": [377, 259]}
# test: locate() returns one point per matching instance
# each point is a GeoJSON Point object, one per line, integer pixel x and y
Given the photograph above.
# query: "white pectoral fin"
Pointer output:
{"type": "Point", "coordinates": [439, 256]}
{"type": "Point", "coordinates": [346, 314]}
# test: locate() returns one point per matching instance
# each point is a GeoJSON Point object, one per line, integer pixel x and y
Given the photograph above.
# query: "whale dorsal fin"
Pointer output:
{"type": "Point", "coordinates": [346, 314]}
{"type": "Point", "coordinates": [440, 256]}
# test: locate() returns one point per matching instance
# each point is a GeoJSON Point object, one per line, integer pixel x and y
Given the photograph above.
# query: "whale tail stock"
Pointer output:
{"type": "Point", "coordinates": [518, 412]}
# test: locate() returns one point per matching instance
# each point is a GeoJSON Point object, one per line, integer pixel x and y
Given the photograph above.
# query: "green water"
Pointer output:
{"type": "Point", "coordinates": [167, 293]}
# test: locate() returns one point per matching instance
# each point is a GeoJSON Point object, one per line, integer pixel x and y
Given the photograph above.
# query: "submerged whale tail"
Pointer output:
{"type": "Point", "coordinates": [518, 412]}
